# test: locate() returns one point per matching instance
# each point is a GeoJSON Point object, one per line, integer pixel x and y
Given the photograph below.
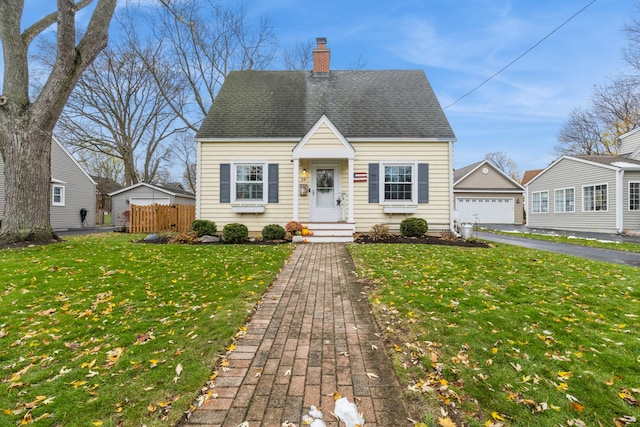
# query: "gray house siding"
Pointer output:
{"type": "Point", "coordinates": [629, 142]}
{"type": "Point", "coordinates": [569, 173]}
{"type": "Point", "coordinates": [79, 191]}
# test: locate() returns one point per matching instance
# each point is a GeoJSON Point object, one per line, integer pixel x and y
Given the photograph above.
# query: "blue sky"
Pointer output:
{"type": "Point", "coordinates": [459, 44]}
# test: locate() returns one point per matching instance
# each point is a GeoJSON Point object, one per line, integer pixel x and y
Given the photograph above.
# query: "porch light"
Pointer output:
{"type": "Point", "coordinates": [304, 173]}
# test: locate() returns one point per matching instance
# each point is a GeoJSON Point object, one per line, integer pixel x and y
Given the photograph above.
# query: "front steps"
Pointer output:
{"type": "Point", "coordinates": [331, 232]}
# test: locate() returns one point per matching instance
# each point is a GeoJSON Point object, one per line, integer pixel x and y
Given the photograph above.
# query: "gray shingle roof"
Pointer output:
{"type": "Point", "coordinates": [361, 104]}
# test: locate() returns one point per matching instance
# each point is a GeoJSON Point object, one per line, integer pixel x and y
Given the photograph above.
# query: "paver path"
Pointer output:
{"type": "Point", "coordinates": [312, 335]}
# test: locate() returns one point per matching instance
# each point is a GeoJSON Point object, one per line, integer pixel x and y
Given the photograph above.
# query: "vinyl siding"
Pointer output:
{"type": "Point", "coordinates": [80, 191]}
{"type": "Point", "coordinates": [630, 143]}
{"type": "Point", "coordinates": [568, 173]}
{"type": "Point", "coordinates": [482, 184]}
{"type": "Point", "coordinates": [436, 212]}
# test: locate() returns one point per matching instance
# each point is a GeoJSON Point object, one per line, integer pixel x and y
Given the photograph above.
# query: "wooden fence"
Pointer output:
{"type": "Point", "coordinates": [161, 218]}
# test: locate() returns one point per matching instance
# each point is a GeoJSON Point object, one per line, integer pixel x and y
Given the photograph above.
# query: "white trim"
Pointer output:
{"type": "Point", "coordinates": [350, 191]}
{"type": "Point", "coordinates": [296, 195]}
{"type": "Point", "coordinates": [451, 189]}
{"type": "Point", "coordinates": [487, 190]}
{"type": "Point", "coordinates": [154, 188]}
{"type": "Point", "coordinates": [628, 208]}
{"type": "Point", "coordinates": [494, 167]}
{"type": "Point", "coordinates": [388, 140]}
{"type": "Point", "coordinates": [594, 188]}
{"type": "Point", "coordinates": [198, 180]}
{"type": "Point", "coordinates": [619, 200]}
{"type": "Point", "coordinates": [564, 189]}
{"type": "Point", "coordinates": [265, 182]}
{"type": "Point", "coordinates": [234, 140]}
{"type": "Point", "coordinates": [347, 151]}
{"type": "Point", "coordinates": [62, 195]}
{"type": "Point", "coordinates": [414, 183]}
{"type": "Point", "coordinates": [548, 202]}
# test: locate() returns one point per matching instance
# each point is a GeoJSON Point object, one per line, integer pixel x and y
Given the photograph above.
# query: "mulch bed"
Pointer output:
{"type": "Point", "coordinates": [360, 239]}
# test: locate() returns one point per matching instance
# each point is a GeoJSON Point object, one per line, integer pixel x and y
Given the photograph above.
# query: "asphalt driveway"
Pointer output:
{"type": "Point", "coordinates": [598, 254]}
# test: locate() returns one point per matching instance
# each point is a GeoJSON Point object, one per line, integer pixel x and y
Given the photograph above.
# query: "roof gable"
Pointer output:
{"type": "Point", "coordinates": [474, 177]}
{"type": "Point", "coordinates": [614, 163]}
{"type": "Point", "coordinates": [324, 141]}
{"type": "Point", "coordinates": [360, 104]}
{"type": "Point", "coordinates": [172, 191]}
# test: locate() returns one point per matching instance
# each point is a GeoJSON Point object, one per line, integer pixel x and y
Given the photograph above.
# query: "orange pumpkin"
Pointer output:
{"type": "Point", "coordinates": [305, 231]}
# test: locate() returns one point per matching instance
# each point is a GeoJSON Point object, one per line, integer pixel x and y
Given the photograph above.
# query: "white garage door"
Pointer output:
{"type": "Point", "coordinates": [146, 201]}
{"type": "Point", "coordinates": [485, 210]}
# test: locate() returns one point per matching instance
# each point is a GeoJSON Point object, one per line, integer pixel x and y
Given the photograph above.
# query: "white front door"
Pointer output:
{"type": "Point", "coordinates": [325, 192]}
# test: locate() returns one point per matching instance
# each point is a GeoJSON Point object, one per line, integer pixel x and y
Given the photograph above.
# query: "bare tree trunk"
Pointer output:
{"type": "Point", "coordinates": [27, 169]}
{"type": "Point", "coordinates": [26, 127]}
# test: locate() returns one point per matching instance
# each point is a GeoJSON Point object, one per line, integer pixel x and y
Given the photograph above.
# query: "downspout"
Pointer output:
{"type": "Point", "coordinates": [198, 178]}
{"type": "Point", "coordinates": [620, 201]}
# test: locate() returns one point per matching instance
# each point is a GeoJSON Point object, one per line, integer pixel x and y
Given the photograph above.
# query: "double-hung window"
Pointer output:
{"type": "Point", "coordinates": [250, 180]}
{"type": "Point", "coordinates": [594, 198]}
{"type": "Point", "coordinates": [57, 195]}
{"type": "Point", "coordinates": [399, 183]}
{"type": "Point", "coordinates": [540, 201]}
{"type": "Point", "coordinates": [564, 200]}
{"type": "Point", "coordinates": [634, 196]}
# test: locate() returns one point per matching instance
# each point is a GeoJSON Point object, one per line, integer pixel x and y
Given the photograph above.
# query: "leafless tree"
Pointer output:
{"type": "Point", "coordinates": [299, 56]}
{"type": "Point", "coordinates": [505, 164]}
{"type": "Point", "coordinates": [26, 125]}
{"type": "Point", "coordinates": [117, 110]}
{"type": "Point", "coordinates": [205, 41]}
{"type": "Point", "coordinates": [614, 110]}
{"type": "Point", "coordinates": [184, 150]}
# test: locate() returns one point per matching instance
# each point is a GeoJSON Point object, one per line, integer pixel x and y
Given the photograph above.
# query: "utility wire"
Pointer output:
{"type": "Point", "coordinates": [523, 54]}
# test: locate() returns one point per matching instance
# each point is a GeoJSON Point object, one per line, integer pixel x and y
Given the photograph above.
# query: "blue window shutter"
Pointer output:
{"type": "Point", "coordinates": [423, 182]}
{"type": "Point", "coordinates": [374, 183]}
{"type": "Point", "coordinates": [273, 183]}
{"type": "Point", "coordinates": [225, 183]}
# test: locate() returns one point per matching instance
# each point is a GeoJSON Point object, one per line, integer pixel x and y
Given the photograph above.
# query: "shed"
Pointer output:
{"type": "Point", "coordinates": [143, 194]}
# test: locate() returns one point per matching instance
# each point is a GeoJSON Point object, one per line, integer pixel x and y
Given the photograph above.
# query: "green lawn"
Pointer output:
{"type": "Point", "coordinates": [507, 335]}
{"type": "Point", "coordinates": [596, 243]}
{"type": "Point", "coordinates": [101, 331]}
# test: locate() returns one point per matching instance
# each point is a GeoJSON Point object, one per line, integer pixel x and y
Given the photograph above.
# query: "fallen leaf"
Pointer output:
{"type": "Point", "coordinates": [372, 375]}
{"type": "Point", "coordinates": [446, 422]}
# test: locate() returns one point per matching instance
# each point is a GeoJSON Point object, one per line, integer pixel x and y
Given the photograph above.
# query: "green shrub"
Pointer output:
{"type": "Point", "coordinates": [379, 232]}
{"type": "Point", "coordinates": [204, 227]}
{"type": "Point", "coordinates": [235, 233]}
{"type": "Point", "coordinates": [413, 227]}
{"type": "Point", "coordinates": [273, 232]}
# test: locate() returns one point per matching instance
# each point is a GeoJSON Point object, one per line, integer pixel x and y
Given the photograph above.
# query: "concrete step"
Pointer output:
{"type": "Point", "coordinates": [331, 232]}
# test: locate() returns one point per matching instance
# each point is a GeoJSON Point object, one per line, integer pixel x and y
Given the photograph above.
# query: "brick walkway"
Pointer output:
{"type": "Point", "coordinates": [312, 335]}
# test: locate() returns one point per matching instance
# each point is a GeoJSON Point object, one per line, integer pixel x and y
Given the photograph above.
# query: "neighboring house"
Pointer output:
{"type": "Point", "coordinates": [143, 194]}
{"type": "Point", "coordinates": [484, 194]}
{"type": "Point", "coordinates": [338, 150]}
{"type": "Point", "coordinates": [72, 190]}
{"type": "Point", "coordinates": [589, 193]}
{"type": "Point", "coordinates": [529, 175]}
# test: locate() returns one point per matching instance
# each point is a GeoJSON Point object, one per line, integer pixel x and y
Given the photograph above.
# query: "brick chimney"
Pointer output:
{"type": "Point", "coordinates": [321, 56]}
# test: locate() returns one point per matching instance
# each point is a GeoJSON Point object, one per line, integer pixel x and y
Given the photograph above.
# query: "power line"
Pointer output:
{"type": "Point", "coordinates": [523, 54]}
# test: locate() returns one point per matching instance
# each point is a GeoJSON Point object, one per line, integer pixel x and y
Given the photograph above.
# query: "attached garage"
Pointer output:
{"type": "Point", "coordinates": [486, 210]}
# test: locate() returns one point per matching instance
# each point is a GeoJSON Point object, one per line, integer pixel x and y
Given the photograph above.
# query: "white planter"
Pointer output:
{"type": "Point", "coordinates": [297, 239]}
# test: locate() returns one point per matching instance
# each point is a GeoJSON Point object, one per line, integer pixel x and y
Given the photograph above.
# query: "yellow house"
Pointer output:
{"type": "Point", "coordinates": [340, 151]}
